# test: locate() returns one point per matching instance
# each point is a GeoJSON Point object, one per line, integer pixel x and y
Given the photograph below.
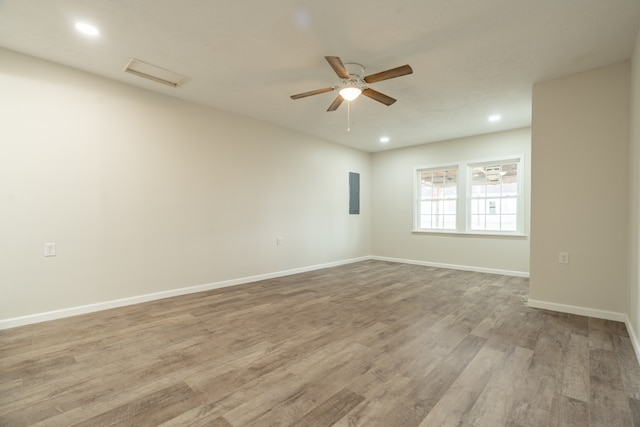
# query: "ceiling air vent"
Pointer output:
{"type": "Point", "coordinates": [155, 73]}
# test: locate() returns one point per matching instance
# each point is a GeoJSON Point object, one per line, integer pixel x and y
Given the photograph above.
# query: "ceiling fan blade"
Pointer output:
{"type": "Point", "coordinates": [313, 92]}
{"type": "Point", "coordinates": [336, 103]}
{"type": "Point", "coordinates": [338, 66]}
{"type": "Point", "coordinates": [389, 74]}
{"type": "Point", "coordinates": [380, 97]}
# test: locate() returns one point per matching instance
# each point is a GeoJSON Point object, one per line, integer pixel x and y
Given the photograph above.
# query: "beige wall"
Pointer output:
{"type": "Point", "coordinates": [143, 193]}
{"type": "Point", "coordinates": [634, 198]}
{"type": "Point", "coordinates": [579, 149]}
{"type": "Point", "coordinates": [392, 205]}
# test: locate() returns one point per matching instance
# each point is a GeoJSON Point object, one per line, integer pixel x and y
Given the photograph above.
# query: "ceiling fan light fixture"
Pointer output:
{"type": "Point", "coordinates": [350, 93]}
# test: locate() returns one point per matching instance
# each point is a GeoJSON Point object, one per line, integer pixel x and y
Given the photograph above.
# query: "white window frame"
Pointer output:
{"type": "Point", "coordinates": [463, 207]}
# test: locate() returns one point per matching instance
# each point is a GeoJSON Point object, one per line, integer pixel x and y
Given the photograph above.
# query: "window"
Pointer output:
{"type": "Point", "coordinates": [494, 197]}
{"type": "Point", "coordinates": [480, 197]}
{"type": "Point", "coordinates": [438, 198]}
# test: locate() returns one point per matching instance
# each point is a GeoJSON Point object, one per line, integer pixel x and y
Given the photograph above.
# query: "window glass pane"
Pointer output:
{"type": "Point", "coordinates": [510, 172]}
{"type": "Point", "coordinates": [510, 179]}
{"type": "Point", "coordinates": [492, 222]}
{"type": "Point", "coordinates": [478, 182]}
{"type": "Point", "coordinates": [477, 222]}
{"type": "Point", "coordinates": [450, 222]}
{"type": "Point", "coordinates": [494, 189]}
{"type": "Point", "coordinates": [509, 222]}
{"type": "Point", "coordinates": [450, 192]}
{"type": "Point", "coordinates": [491, 206]}
{"type": "Point", "coordinates": [510, 189]}
{"type": "Point", "coordinates": [509, 206]}
{"type": "Point", "coordinates": [477, 206]}
{"type": "Point", "coordinates": [450, 207]}
{"type": "Point", "coordinates": [478, 190]}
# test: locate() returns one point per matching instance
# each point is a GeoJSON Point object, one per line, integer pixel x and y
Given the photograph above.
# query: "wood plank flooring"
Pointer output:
{"type": "Point", "coordinates": [366, 344]}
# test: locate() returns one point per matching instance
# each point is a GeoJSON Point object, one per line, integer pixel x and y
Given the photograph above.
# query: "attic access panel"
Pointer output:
{"type": "Point", "coordinates": [157, 74]}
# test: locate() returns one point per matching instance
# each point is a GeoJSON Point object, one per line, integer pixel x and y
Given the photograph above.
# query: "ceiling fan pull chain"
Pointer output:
{"type": "Point", "coordinates": [349, 122]}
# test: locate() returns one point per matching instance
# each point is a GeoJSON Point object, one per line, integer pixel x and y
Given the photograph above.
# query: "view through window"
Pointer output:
{"type": "Point", "coordinates": [471, 197]}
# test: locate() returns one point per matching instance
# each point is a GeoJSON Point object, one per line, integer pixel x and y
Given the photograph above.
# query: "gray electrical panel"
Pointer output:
{"type": "Point", "coordinates": [354, 193]}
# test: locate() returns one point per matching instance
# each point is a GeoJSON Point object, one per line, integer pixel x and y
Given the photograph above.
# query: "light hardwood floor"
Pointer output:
{"type": "Point", "coordinates": [371, 344]}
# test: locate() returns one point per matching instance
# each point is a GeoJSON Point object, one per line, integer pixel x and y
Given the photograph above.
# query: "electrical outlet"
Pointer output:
{"type": "Point", "coordinates": [279, 240]}
{"type": "Point", "coordinates": [49, 249]}
{"type": "Point", "coordinates": [563, 257]}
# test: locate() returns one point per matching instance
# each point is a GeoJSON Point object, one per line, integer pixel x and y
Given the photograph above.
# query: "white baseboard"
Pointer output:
{"type": "Point", "coordinates": [90, 308]}
{"type": "Point", "coordinates": [582, 311]}
{"type": "Point", "coordinates": [454, 266]}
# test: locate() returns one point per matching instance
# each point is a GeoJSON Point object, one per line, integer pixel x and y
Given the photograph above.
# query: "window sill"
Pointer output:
{"type": "Point", "coordinates": [506, 235]}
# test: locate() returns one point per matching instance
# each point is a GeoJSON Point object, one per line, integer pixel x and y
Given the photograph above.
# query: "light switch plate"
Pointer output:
{"type": "Point", "coordinates": [563, 257]}
{"type": "Point", "coordinates": [49, 249]}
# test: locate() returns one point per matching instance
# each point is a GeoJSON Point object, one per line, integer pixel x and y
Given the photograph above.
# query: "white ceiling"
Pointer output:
{"type": "Point", "coordinates": [471, 58]}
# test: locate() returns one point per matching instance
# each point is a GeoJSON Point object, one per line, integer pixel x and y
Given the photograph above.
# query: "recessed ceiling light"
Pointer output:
{"type": "Point", "coordinates": [87, 29]}
{"type": "Point", "coordinates": [495, 118]}
{"type": "Point", "coordinates": [384, 139]}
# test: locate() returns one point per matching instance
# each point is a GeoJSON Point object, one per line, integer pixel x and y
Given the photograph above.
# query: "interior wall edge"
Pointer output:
{"type": "Point", "coordinates": [632, 336]}
{"type": "Point", "coordinates": [106, 305]}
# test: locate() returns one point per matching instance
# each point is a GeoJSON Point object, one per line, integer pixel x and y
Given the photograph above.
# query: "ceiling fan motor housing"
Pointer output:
{"type": "Point", "coordinates": [356, 73]}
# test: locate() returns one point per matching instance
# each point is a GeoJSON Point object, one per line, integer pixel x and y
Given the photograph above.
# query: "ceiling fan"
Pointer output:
{"type": "Point", "coordinates": [353, 83]}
